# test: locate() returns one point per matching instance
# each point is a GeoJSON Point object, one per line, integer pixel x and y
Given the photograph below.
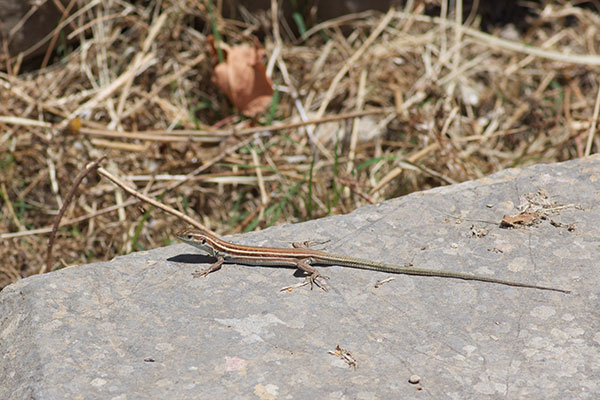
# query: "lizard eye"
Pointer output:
{"type": "Point", "coordinates": [203, 241]}
{"type": "Point", "coordinates": [190, 237]}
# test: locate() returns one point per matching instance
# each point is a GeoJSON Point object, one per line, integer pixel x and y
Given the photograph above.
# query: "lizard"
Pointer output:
{"type": "Point", "coordinates": [304, 259]}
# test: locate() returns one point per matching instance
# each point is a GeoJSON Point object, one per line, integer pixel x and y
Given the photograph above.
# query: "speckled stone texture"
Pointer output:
{"type": "Point", "coordinates": [140, 327]}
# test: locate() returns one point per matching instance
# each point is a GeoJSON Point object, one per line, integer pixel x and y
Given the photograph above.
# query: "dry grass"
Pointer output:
{"type": "Point", "coordinates": [448, 103]}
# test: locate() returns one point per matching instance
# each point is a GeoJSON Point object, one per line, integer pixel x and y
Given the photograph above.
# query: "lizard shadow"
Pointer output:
{"type": "Point", "coordinates": [209, 260]}
{"type": "Point", "coordinates": [192, 259]}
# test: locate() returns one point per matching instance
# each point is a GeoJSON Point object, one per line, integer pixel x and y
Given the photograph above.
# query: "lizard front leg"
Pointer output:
{"type": "Point", "coordinates": [312, 272]}
{"type": "Point", "coordinates": [215, 267]}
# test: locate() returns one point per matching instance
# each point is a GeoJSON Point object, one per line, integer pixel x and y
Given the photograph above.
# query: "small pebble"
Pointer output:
{"type": "Point", "coordinates": [414, 379]}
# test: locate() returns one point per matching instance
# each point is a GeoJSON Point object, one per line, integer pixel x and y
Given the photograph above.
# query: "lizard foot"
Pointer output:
{"type": "Point", "coordinates": [200, 273]}
{"type": "Point", "coordinates": [313, 279]}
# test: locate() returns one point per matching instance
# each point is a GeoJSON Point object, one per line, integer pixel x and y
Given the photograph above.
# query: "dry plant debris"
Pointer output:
{"type": "Point", "coordinates": [345, 355]}
{"type": "Point", "coordinates": [411, 101]}
{"type": "Point", "coordinates": [534, 208]}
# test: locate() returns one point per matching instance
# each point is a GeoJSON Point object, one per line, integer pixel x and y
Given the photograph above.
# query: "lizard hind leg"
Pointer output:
{"type": "Point", "coordinates": [307, 244]}
{"type": "Point", "coordinates": [313, 274]}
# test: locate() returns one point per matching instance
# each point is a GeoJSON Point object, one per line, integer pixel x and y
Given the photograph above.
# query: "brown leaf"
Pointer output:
{"type": "Point", "coordinates": [243, 78]}
{"type": "Point", "coordinates": [522, 218]}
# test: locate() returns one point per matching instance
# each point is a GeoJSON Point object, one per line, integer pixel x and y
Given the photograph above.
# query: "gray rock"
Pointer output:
{"type": "Point", "coordinates": [141, 327]}
{"type": "Point", "coordinates": [35, 20]}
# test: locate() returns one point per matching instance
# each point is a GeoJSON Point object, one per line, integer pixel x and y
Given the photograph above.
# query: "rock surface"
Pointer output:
{"type": "Point", "coordinates": [35, 19]}
{"type": "Point", "coordinates": [141, 327]}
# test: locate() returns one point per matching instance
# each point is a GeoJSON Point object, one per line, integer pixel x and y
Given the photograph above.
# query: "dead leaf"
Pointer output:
{"type": "Point", "coordinates": [522, 219]}
{"type": "Point", "coordinates": [242, 76]}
